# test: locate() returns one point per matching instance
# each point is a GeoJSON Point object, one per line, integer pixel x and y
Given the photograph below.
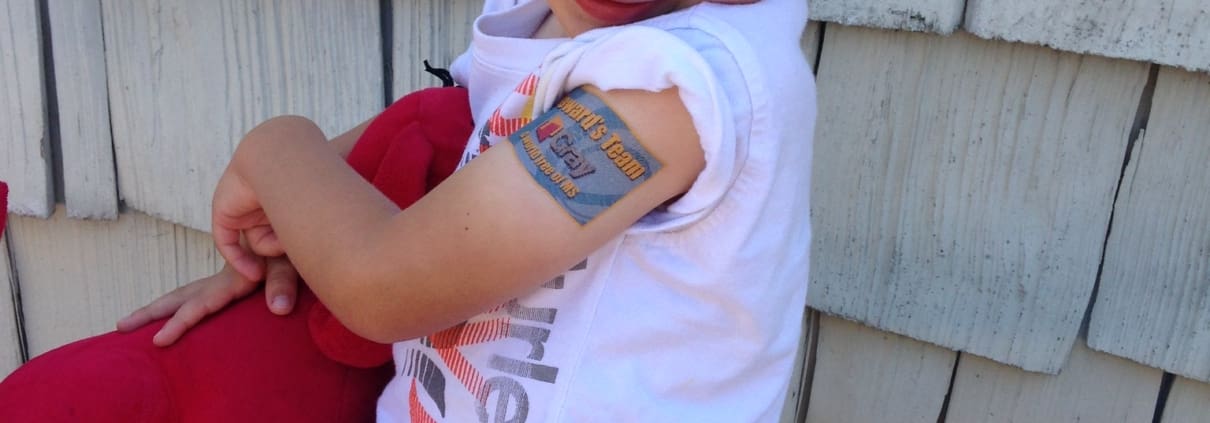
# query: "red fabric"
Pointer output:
{"type": "Point", "coordinates": [245, 364]}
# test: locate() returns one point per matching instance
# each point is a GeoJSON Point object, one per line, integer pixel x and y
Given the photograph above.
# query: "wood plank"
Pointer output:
{"type": "Point", "coordinates": [79, 276]}
{"type": "Point", "coordinates": [1188, 402]}
{"type": "Point", "coordinates": [25, 156]}
{"type": "Point", "coordinates": [1093, 387]}
{"type": "Point", "coordinates": [865, 375]}
{"type": "Point", "coordinates": [433, 30]}
{"type": "Point", "coordinates": [937, 16]}
{"type": "Point", "coordinates": [795, 409]}
{"type": "Point", "coordinates": [811, 41]}
{"type": "Point", "coordinates": [10, 335]}
{"type": "Point", "coordinates": [1152, 303]}
{"type": "Point", "coordinates": [89, 177]}
{"type": "Point", "coordinates": [188, 78]}
{"type": "Point", "coordinates": [962, 188]}
{"type": "Point", "coordinates": [1172, 32]}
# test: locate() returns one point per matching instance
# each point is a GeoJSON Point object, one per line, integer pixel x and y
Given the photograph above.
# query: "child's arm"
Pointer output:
{"type": "Point", "coordinates": [192, 302]}
{"type": "Point", "coordinates": [488, 234]}
{"type": "Point", "coordinates": [344, 142]}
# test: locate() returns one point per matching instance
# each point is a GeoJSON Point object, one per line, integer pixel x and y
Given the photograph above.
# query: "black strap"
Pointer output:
{"type": "Point", "coordinates": [447, 80]}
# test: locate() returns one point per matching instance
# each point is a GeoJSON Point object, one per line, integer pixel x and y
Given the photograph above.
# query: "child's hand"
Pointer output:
{"type": "Point", "coordinates": [237, 211]}
{"type": "Point", "coordinates": [191, 303]}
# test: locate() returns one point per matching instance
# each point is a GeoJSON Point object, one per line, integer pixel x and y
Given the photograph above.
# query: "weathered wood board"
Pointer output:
{"type": "Point", "coordinates": [863, 375]}
{"type": "Point", "coordinates": [795, 409]}
{"type": "Point", "coordinates": [10, 336]}
{"type": "Point", "coordinates": [1188, 402]}
{"type": "Point", "coordinates": [433, 30]}
{"type": "Point", "coordinates": [962, 188]}
{"type": "Point", "coordinates": [1093, 387]}
{"type": "Point", "coordinates": [1172, 32]}
{"type": "Point", "coordinates": [1152, 303]}
{"type": "Point", "coordinates": [188, 78]}
{"type": "Point", "coordinates": [25, 155]}
{"type": "Point", "coordinates": [89, 177]}
{"type": "Point", "coordinates": [939, 16]}
{"type": "Point", "coordinates": [810, 41]}
{"type": "Point", "coordinates": [79, 276]}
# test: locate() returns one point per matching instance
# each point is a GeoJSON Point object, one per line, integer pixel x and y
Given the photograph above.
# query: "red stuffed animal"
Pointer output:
{"type": "Point", "coordinates": [245, 364]}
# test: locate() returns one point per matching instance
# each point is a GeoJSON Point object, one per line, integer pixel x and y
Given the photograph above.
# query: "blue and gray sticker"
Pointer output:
{"type": "Point", "coordinates": [583, 154]}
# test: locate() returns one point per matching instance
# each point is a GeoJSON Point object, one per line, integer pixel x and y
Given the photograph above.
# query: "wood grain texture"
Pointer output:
{"type": "Point", "coordinates": [863, 375]}
{"type": "Point", "coordinates": [1172, 32]}
{"type": "Point", "coordinates": [1093, 387]}
{"type": "Point", "coordinates": [938, 16]}
{"type": "Point", "coordinates": [25, 156]}
{"type": "Point", "coordinates": [1152, 303]}
{"type": "Point", "coordinates": [188, 78]}
{"type": "Point", "coordinates": [433, 30]}
{"type": "Point", "coordinates": [962, 188]}
{"type": "Point", "coordinates": [10, 336]}
{"type": "Point", "coordinates": [1188, 402]}
{"type": "Point", "coordinates": [79, 276]}
{"type": "Point", "coordinates": [89, 177]}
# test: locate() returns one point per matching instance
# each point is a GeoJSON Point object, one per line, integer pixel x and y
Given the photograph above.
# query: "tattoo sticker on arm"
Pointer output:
{"type": "Point", "coordinates": [582, 153]}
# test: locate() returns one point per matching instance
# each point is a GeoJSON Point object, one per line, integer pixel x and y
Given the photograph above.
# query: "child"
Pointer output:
{"type": "Point", "coordinates": [671, 291]}
{"type": "Point", "coordinates": [639, 236]}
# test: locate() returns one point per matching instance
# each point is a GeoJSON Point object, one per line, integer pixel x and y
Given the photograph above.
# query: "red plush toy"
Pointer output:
{"type": "Point", "coordinates": [245, 364]}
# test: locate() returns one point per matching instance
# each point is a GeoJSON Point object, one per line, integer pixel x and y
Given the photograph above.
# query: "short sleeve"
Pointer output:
{"type": "Point", "coordinates": [651, 59]}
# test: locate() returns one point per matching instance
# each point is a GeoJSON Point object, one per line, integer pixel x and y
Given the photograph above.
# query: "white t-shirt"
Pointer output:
{"type": "Point", "coordinates": [692, 314]}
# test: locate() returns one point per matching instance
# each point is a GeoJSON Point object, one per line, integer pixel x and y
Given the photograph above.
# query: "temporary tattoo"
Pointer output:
{"type": "Point", "coordinates": [583, 154]}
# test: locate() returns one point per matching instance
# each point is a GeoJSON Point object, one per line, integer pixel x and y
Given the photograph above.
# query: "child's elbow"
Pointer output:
{"type": "Point", "coordinates": [368, 312]}
{"type": "Point", "coordinates": [382, 328]}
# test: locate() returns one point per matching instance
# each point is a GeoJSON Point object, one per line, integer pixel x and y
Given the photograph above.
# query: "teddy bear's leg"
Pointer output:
{"type": "Point", "coordinates": [242, 365]}
{"type": "Point", "coordinates": [100, 379]}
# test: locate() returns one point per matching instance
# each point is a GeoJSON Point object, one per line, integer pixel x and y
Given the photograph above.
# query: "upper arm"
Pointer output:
{"type": "Point", "coordinates": [497, 229]}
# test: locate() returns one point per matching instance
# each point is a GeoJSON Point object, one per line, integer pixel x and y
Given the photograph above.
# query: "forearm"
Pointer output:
{"type": "Point", "coordinates": [324, 214]}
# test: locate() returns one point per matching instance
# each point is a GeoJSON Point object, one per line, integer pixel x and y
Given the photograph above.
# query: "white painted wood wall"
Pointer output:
{"type": "Point", "coordinates": [984, 210]}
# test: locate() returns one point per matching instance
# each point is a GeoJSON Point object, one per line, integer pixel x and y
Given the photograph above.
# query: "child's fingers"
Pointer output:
{"type": "Point", "coordinates": [241, 258]}
{"type": "Point", "coordinates": [263, 241]}
{"type": "Point", "coordinates": [208, 300]}
{"type": "Point", "coordinates": [157, 309]}
{"type": "Point", "coordinates": [281, 285]}
{"type": "Point", "coordinates": [190, 313]}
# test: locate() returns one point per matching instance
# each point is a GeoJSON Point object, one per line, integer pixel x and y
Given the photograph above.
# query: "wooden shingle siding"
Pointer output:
{"type": "Point", "coordinates": [810, 41]}
{"type": "Point", "coordinates": [25, 155]}
{"type": "Point", "coordinates": [1172, 32]}
{"type": "Point", "coordinates": [1188, 402]}
{"type": "Point", "coordinates": [10, 340]}
{"type": "Point", "coordinates": [874, 376]}
{"type": "Point", "coordinates": [962, 188]}
{"type": "Point", "coordinates": [794, 409]}
{"type": "Point", "coordinates": [188, 78]}
{"type": "Point", "coordinates": [77, 277]}
{"type": "Point", "coordinates": [433, 30]}
{"type": "Point", "coordinates": [1110, 390]}
{"type": "Point", "coordinates": [1155, 286]}
{"type": "Point", "coordinates": [939, 16]}
{"type": "Point", "coordinates": [89, 177]}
